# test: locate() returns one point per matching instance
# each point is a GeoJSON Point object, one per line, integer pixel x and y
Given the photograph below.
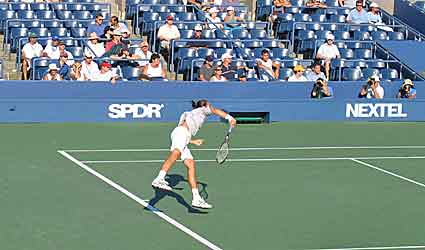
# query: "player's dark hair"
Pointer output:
{"type": "Point", "coordinates": [199, 103]}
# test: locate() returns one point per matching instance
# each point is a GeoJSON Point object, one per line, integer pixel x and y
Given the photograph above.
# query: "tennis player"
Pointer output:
{"type": "Point", "coordinates": [189, 124]}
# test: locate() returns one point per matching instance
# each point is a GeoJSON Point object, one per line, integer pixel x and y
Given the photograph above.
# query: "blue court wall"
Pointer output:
{"type": "Point", "coordinates": [405, 11]}
{"type": "Point", "coordinates": [149, 102]}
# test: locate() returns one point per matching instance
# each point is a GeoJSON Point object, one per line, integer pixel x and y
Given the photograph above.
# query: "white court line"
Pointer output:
{"type": "Point", "coordinates": [373, 248]}
{"type": "Point", "coordinates": [141, 202]}
{"type": "Point", "coordinates": [248, 149]}
{"type": "Point", "coordinates": [388, 172]}
{"type": "Point", "coordinates": [271, 159]}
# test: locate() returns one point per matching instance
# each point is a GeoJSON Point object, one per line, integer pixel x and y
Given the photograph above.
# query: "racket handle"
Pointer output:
{"type": "Point", "coordinates": [230, 130]}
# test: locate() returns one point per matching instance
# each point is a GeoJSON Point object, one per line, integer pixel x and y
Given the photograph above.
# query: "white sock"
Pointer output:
{"type": "Point", "coordinates": [161, 175]}
{"type": "Point", "coordinates": [195, 194]}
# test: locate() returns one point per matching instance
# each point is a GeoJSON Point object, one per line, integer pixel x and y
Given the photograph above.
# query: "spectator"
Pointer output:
{"type": "Point", "coordinates": [348, 3]}
{"type": "Point", "coordinates": [321, 89]}
{"type": "Point", "coordinates": [75, 73]}
{"type": "Point", "coordinates": [166, 33]}
{"type": "Point", "coordinates": [62, 50]}
{"type": "Point", "coordinates": [207, 69]}
{"type": "Point", "coordinates": [97, 27]}
{"type": "Point", "coordinates": [358, 15]}
{"type": "Point", "coordinates": [143, 53]}
{"type": "Point", "coordinates": [64, 69]}
{"type": "Point", "coordinates": [52, 48]}
{"type": "Point", "coordinates": [89, 68]}
{"type": "Point", "coordinates": [231, 20]}
{"type": "Point", "coordinates": [197, 36]}
{"type": "Point", "coordinates": [315, 73]}
{"type": "Point", "coordinates": [218, 75]}
{"type": "Point", "coordinates": [94, 47]}
{"type": "Point", "coordinates": [29, 51]}
{"type": "Point", "coordinates": [232, 72]}
{"type": "Point", "coordinates": [373, 89]}
{"type": "Point", "coordinates": [327, 52]}
{"type": "Point", "coordinates": [107, 33]}
{"type": "Point", "coordinates": [114, 46]}
{"type": "Point", "coordinates": [407, 90]}
{"type": "Point", "coordinates": [373, 14]}
{"type": "Point", "coordinates": [265, 67]}
{"type": "Point", "coordinates": [213, 20]}
{"type": "Point", "coordinates": [279, 5]}
{"type": "Point", "coordinates": [52, 73]}
{"type": "Point", "coordinates": [299, 75]}
{"type": "Point", "coordinates": [315, 4]}
{"type": "Point", "coordinates": [105, 74]}
{"type": "Point", "coordinates": [155, 69]}
{"type": "Point", "coordinates": [116, 25]}
{"type": "Point", "coordinates": [125, 37]}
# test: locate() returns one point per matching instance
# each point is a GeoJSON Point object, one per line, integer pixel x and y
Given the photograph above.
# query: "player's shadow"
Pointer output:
{"type": "Point", "coordinates": [174, 180]}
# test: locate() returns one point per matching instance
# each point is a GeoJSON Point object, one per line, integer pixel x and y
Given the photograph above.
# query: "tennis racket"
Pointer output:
{"type": "Point", "coordinates": [223, 150]}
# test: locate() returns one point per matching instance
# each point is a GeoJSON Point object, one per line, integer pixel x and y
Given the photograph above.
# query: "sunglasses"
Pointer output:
{"type": "Point", "coordinates": [218, 70]}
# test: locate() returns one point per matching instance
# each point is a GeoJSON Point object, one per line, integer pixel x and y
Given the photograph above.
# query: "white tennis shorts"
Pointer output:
{"type": "Point", "coordinates": [180, 138]}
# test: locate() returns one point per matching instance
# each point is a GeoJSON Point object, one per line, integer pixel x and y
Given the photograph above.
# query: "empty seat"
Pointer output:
{"type": "Point", "coordinates": [306, 34]}
{"type": "Point", "coordinates": [361, 35]}
{"type": "Point", "coordinates": [300, 17]}
{"type": "Point", "coordinates": [389, 74]}
{"type": "Point", "coordinates": [71, 24]}
{"type": "Point", "coordinates": [368, 72]}
{"type": "Point", "coordinates": [342, 35]}
{"type": "Point", "coordinates": [95, 7]}
{"type": "Point", "coordinates": [77, 52]}
{"type": "Point", "coordinates": [84, 15]}
{"type": "Point", "coordinates": [379, 35]}
{"type": "Point", "coordinates": [396, 36]}
{"type": "Point", "coordinates": [314, 26]}
{"type": "Point", "coordinates": [76, 7]}
{"type": "Point", "coordinates": [19, 6]}
{"type": "Point", "coordinates": [271, 43]}
{"type": "Point", "coordinates": [186, 34]}
{"type": "Point", "coordinates": [351, 74]}
{"type": "Point", "coordinates": [186, 16]}
{"type": "Point", "coordinates": [169, 2]}
{"type": "Point", "coordinates": [378, 64]}
{"type": "Point", "coordinates": [177, 9]}
{"type": "Point", "coordinates": [321, 34]}
{"type": "Point", "coordinates": [208, 34]}
{"type": "Point", "coordinates": [78, 32]}
{"type": "Point", "coordinates": [360, 63]}
{"type": "Point", "coordinates": [253, 44]}
{"type": "Point", "coordinates": [285, 73]}
{"type": "Point", "coordinates": [346, 53]}
{"type": "Point", "coordinates": [26, 14]}
{"type": "Point", "coordinates": [318, 18]}
{"type": "Point", "coordinates": [52, 24]}
{"type": "Point", "coordinates": [40, 32]}
{"type": "Point", "coordinates": [245, 53]}
{"type": "Point", "coordinates": [259, 34]}
{"type": "Point", "coordinates": [363, 53]}
{"type": "Point", "coordinates": [39, 6]}
{"type": "Point", "coordinates": [203, 52]}
{"type": "Point", "coordinates": [160, 8]}
{"type": "Point", "coordinates": [241, 34]}
{"type": "Point", "coordinates": [221, 51]}
{"type": "Point", "coordinates": [45, 14]}
{"type": "Point", "coordinates": [280, 53]}
{"type": "Point", "coordinates": [64, 15]}
{"type": "Point", "coordinates": [337, 19]}
{"type": "Point", "coordinates": [60, 32]}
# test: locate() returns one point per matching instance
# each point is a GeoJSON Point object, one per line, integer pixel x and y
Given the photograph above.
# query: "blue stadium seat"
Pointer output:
{"type": "Point", "coordinates": [59, 6]}
{"type": "Point", "coordinates": [298, 3]}
{"type": "Point", "coordinates": [130, 73]}
{"type": "Point", "coordinates": [94, 7]}
{"type": "Point", "coordinates": [52, 24]}
{"type": "Point", "coordinates": [285, 73]}
{"type": "Point", "coordinates": [280, 53]}
{"type": "Point", "coordinates": [258, 34]}
{"type": "Point", "coordinates": [300, 17]}
{"type": "Point", "coordinates": [342, 35]}
{"type": "Point", "coordinates": [314, 26]}
{"type": "Point", "coordinates": [40, 66]}
{"type": "Point", "coordinates": [39, 6]}
{"type": "Point", "coordinates": [253, 44]}
{"type": "Point", "coordinates": [45, 14]}
{"type": "Point", "coordinates": [19, 6]}
{"type": "Point", "coordinates": [332, 3]}
{"type": "Point", "coordinates": [78, 32]}
{"type": "Point", "coordinates": [71, 24]}
{"type": "Point", "coordinates": [168, 2]}
{"type": "Point", "coordinates": [292, 10]}
{"type": "Point", "coordinates": [26, 14]}
{"type": "Point", "coordinates": [337, 19]}
{"type": "Point", "coordinates": [321, 34]}
{"type": "Point", "coordinates": [153, 2]}
{"type": "Point", "coordinates": [257, 52]}
{"type": "Point", "coordinates": [76, 7]}
{"type": "Point", "coordinates": [363, 54]}
{"type": "Point", "coordinates": [351, 74]}
{"type": "Point", "coordinates": [306, 34]}
{"type": "Point", "coordinates": [160, 8]}
{"type": "Point", "coordinates": [69, 42]}
{"type": "Point", "coordinates": [64, 15]}
{"type": "Point", "coordinates": [204, 52]}
{"type": "Point", "coordinates": [318, 18]}
{"type": "Point", "coordinates": [331, 27]}
{"type": "Point", "coordinates": [186, 34]}
{"type": "Point", "coordinates": [361, 35]}
{"type": "Point", "coordinates": [245, 53]}
{"type": "Point", "coordinates": [223, 34]}
{"type": "Point", "coordinates": [241, 34]}
{"type": "Point", "coordinates": [379, 35]}
{"type": "Point", "coordinates": [40, 32]}
{"type": "Point", "coordinates": [346, 53]}
{"type": "Point", "coordinates": [221, 51]}
{"type": "Point", "coordinates": [251, 76]}
{"type": "Point", "coordinates": [285, 16]}
{"type": "Point", "coordinates": [256, 26]}
{"type": "Point", "coordinates": [396, 36]}
{"type": "Point", "coordinates": [60, 32]}
{"type": "Point", "coordinates": [77, 52]}
{"type": "Point", "coordinates": [368, 72]}
{"type": "Point", "coordinates": [82, 15]}
{"type": "Point", "coordinates": [208, 34]}
{"type": "Point", "coordinates": [4, 6]}
{"type": "Point", "coordinates": [378, 64]}
{"type": "Point", "coordinates": [389, 74]}
{"type": "Point", "coordinates": [186, 16]}
{"type": "Point", "coordinates": [271, 43]}
{"type": "Point", "coordinates": [369, 28]}
{"type": "Point", "coordinates": [177, 9]}
{"type": "Point", "coordinates": [360, 64]}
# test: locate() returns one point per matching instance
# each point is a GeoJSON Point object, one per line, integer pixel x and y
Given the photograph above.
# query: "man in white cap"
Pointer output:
{"type": "Point", "coordinates": [214, 21]}
{"type": "Point", "coordinates": [89, 68]}
{"type": "Point", "coordinates": [166, 33]}
{"type": "Point", "coordinates": [143, 52]}
{"type": "Point", "coordinates": [52, 73]}
{"type": "Point", "coordinates": [93, 45]}
{"type": "Point", "coordinates": [197, 36]}
{"type": "Point", "coordinates": [327, 52]}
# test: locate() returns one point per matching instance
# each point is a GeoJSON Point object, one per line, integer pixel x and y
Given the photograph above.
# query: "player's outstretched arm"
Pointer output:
{"type": "Point", "coordinates": [223, 115]}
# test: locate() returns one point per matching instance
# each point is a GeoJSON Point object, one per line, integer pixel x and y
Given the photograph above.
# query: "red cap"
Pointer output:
{"type": "Point", "coordinates": [170, 17]}
{"type": "Point", "coordinates": [106, 64]}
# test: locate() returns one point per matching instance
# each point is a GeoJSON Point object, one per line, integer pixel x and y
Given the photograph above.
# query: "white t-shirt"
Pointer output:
{"type": "Point", "coordinates": [195, 118]}
{"type": "Point", "coordinates": [293, 78]}
{"type": "Point", "coordinates": [216, 20]}
{"type": "Point", "coordinates": [31, 51]}
{"type": "Point", "coordinates": [89, 70]}
{"type": "Point", "coordinates": [98, 49]}
{"type": "Point", "coordinates": [154, 72]}
{"type": "Point", "coordinates": [215, 79]}
{"type": "Point", "coordinates": [104, 77]}
{"type": "Point", "coordinates": [142, 55]}
{"type": "Point", "coordinates": [328, 51]}
{"type": "Point", "coordinates": [52, 51]}
{"type": "Point", "coordinates": [169, 32]}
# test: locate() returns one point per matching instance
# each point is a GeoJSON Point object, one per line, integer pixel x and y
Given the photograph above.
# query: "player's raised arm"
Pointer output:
{"type": "Point", "coordinates": [223, 115]}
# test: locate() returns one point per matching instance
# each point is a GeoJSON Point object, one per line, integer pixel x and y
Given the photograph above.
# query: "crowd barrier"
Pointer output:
{"type": "Point", "coordinates": [164, 101]}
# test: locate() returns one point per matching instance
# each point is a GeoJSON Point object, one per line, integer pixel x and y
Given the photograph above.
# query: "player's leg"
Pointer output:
{"type": "Point", "coordinates": [190, 164]}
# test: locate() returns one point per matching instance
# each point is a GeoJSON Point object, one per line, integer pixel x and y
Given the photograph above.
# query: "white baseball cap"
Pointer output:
{"type": "Point", "coordinates": [198, 27]}
{"type": "Point", "coordinates": [330, 37]}
{"type": "Point", "coordinates": [88, 54]}
{"type": "Point", "coordinates": [53, 66]}
{"type": "Point", "coordinates": [213, 10]}
{"type": "Point", "coordinates": [230, 8]}
{"type": "Point", "coordinates": [375, 78]}
{"type": "Point", "coordinates": [226, 55]}
{"type": "Point", "coordinates": [374, 5]}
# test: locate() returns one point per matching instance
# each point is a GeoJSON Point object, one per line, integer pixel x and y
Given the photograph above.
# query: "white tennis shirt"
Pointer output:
{"type": "Point", "coordinates": [195, 118]}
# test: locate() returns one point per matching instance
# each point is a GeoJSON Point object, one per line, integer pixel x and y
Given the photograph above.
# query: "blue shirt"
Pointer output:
{"type": "Point", "coordinates": [98, 29]}
{"type": "Point", "coordinates": [64, 71]}
{"type": "Point", "coordinates": [358, 17]}
{"type": "Point", "coordinates": [374, 18]}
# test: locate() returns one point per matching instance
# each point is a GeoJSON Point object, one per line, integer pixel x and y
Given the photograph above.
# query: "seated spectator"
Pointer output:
{"type": "Point", "coordinates": [358, 15]}
{"type": "Point", "coordinates": [327, 52]}
{"type": "Point", "coordinates": [373, 89]}
{"type": "Point", "coordinates": [279, 5]}
{"type": "Point", "coordinates": [62, 50]}
{"type": "Point", "coordinates": [29, 51]}
{"type": "Point", "coordinates": [321, 89]}
{"type": "Point", "coordinates": [105, 74]}
{"type": "Point", "coordinates": [97, 27]}
{"type": "Point", "coordinates": [114, 46]}
{"type": "Point", "coordinates": [75, 74]}
{"type": "Point", "coordinates": [116, 25]}
{"type": "Point", "coordinates": [407, 90]}
{"type": "Point", "coordinates": [52, 48]}
{"type": "Point", "coordinates": [166, 34]}
{"type": "Point", "coordinates": [143, 52]}
{"type": "Point", "coordinates": [266, 65]}
{"type": "Point", "coordinates": [155, 68]}
{"type": "Point", "coordinates": [373, 14]}
{"type": "Point", "coordinates": [348, 3]}
{"type": "Point", "coordinates": [94, 47]}
{"type": "Point", "coordinates": [231, 20]}
{"type": "Point", "coordinates": [299, 75]}
{"type": "Point", "coordinates": [213, 20]}
{"type": "Point", "coordinates": [107, 34]}
{"type": "Point", "coordinates": [207, 69]}
{"type": "Point", "coordinates": [229, 71]}
{"type": "Point", "coordinates": [198, 36]}
{"type": "Point", "coordinates": [89, 68]}
{"type": "Point", "coordinates": [218, 76]}
{"type": "Point", "coordinates": [125, 37]}
{"type": "Point", "coordinates": [52, 73]}
{"type": "Point", "coordinates": [64, 67]}
{"type": "Point", "coordinates": [315, 4]}
{"type": "Point", "coordinates": [315, 73]}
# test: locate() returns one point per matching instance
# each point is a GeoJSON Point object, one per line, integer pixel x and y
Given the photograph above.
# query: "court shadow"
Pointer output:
{"type": "Point", "coordinates": [174, 180]}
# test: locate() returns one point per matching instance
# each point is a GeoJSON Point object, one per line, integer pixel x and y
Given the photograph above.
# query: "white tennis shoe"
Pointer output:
{"type": "Point", "coordinates": [161, 184]}
{"type": "Point", "coordinates": [200, 203]}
